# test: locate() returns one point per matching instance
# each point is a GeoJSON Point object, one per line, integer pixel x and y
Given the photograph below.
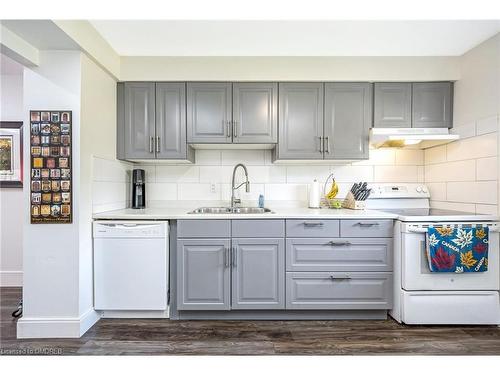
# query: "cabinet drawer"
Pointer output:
{"type": "Point", "coordinates": [338, 290]}
{"type": "Point", "coordinates": [366, 228]}
{"type": "Point", "coordinates": [204, 228]}
{"type": "Point", "coordinates": [312, 228]}
{"type": "Point", "coordinates": [258, 228]}
{"type": "Point", "coordinates": [334, 254]}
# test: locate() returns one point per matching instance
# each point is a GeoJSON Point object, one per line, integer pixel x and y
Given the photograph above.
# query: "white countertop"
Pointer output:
{"type": "Point", "coordinates": [178, 213]}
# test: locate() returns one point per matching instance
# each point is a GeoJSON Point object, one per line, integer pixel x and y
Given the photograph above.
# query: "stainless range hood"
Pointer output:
{"type": "Point", "coordinates": [410, 137]}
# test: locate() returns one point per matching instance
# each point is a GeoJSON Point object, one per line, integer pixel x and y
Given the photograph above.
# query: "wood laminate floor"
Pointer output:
{"type": "Point", "coordinates": [166, 337]}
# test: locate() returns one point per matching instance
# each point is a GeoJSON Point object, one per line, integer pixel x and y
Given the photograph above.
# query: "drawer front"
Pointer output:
{"type": "Point", "coordinates": [334, 254]}
{"type": "Point", "coordinates": [258, 228]}
{"type": "Point", "coordinates": [312, 228]}
{"type": "Point", "coordinates": [338, 290]}
{"type": "Point", "coordinates": [366, 228]}
{"type": "Point", "coordinates": [204, 228]}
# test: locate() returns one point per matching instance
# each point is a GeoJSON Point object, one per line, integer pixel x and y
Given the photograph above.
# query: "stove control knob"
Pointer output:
{"type": "Point", "coordinates": [419, 189]}
{"type": "Point", "coordinates": [425, 190]}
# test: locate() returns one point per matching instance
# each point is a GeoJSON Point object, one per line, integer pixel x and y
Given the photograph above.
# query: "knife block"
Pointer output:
{"type": "Point", "coordinates": [351, 203]}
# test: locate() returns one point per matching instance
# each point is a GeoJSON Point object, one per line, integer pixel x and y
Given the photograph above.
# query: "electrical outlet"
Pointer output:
{"type": "Point", "coordinates": [213, 187]}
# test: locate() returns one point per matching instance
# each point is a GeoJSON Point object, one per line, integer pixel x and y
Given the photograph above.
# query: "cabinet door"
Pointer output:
{"type": "Point", "coordinates": [300, 121]}
{"type": "Point", "coordinates": [258, 273]}
{"type": "Point", "coordinates": [209, 112]}
{"type": "Point", "coordinates": [432, 107]}
{"type": "Point", "coordinates": [255, 118]}
{"type": "Point", "coordinates": [348, 109]}
{"type": "Point", "coordinates": [392, 105]}
{"type": "Point", "coordinates": [171, 121]}
{"type": "Point", "coordinates": [139, 124]}
{"type": "Point", "coordinates": [203, 274]}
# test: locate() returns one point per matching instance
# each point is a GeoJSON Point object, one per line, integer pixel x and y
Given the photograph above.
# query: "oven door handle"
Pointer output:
{"type": "Point", "coordinates": [424, 230]}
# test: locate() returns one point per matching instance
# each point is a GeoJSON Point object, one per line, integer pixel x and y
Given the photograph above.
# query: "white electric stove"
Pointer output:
{"type": "Point", "coordinates": [424, 297]}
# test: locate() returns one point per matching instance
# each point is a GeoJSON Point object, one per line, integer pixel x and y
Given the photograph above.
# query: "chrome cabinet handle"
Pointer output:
{"type": "Point", "coordinates": [151, 140]}
{"type": "Point", "coordinates": [346, 277]}
{"type": "Point", "coordinates": [234, 257]}
{"type": "Point", "coordinates": [226, 257]}
{"type": "Point", "coordinates": [235, 129]}
{"type": "Point", "coordinates": [320, 144]}
{"type": "Point", "coordinates": [313, 223]}
{"type": "Point", "coordinates": [157, 144]}
{"type": "Point", "coordinates": [343, 243]}
{"type": "Point", "coordinates": [327, 140]}
{"type": "Point", "coordinates": [361, 224]}
{"type": "Point", "coordinates": [228, 126]}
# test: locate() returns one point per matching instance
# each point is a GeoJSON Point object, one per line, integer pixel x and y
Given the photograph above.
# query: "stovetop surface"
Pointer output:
{"type": "Point", "coordinates": [429, 212]}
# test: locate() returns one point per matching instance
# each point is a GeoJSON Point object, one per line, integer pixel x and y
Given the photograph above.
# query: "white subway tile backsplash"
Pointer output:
{"type": "Point", "coordinates": [379, 156]}
{"type": "Point", "coordinates": [487, 169]}
{"type": "Point", "coordinates": [464, 170]}
{"type": "Point", "coordinates": [198, 191]}
{"type": "Point", "coordinates": [472, 148]}
{"type": "Point", "coordinates": [396, 174]}
{"type": "Point", "coordinates": [161, 191]}
{"type": "Point", "coordinates": [346, 173]}
{"type": "Point", "coordinates": [286, 192]}
{"type": "Point", "coordinates": [486, 209]}
{"type": "Point", "coordinates": [217, 174]}
{"type": "Point", "coordinates": [247, 157]}
{"type": "Point", "coordinates": [454, 206]}
{"type": "Point", "coordinates": [253, 195]}
{"type": "Point", "coordinates": [267, 173]}
{"type": "Point", "coordinates": [409, 157]}
{"type": "Point", "coordinates": [487, 125]}
{"type": "Point", "coordinates": [105, 192]}
{"type": "Point", "coordinates": [306, 173]}
{"type": "Point", "coordinates": [484, 192]}
{"type": "Point", "coordinates": [464, 131]}
{"type": "Point", "coordinates": [435, 155]}
{"type": "Point", "coordinates": [437, 190]}
{"type": "Point", "coordinates": [208, 157]}
{"type": "Point", "coordinates": [177, 173]}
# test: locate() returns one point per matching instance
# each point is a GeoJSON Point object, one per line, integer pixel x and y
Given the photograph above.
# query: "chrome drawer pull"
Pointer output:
{"type": "Point", "coordinates": [346, 277]}
{"type": "Point", "coordinates": [367, 224]}
{"type": "Point", "coordinates": [313, 223]}
{"type": "Point", "coordinates": [344, 243]}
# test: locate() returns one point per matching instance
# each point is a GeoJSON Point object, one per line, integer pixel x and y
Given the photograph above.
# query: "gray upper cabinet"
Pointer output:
{"type": "Point", "coordinates": [138, 120]}
{"type": "Point", "coordinates": [348, 113]}
{"type": "Point", "coordinates": [255, 118]}
{"type": "Point", "coordinates": [171, 121]}
{"type": "Point", "coordinates": [392, 105]}
{"type": "Point", "coordinates": [300, 121]}
{"type": "Point", "coordinates": [258, 276]}
{"type": "Point", "coordinates": [203, 274]}
{"type": "Point", "coordinates": [209, 112]}
{"type": "Point", "coordinates": [432, 105]}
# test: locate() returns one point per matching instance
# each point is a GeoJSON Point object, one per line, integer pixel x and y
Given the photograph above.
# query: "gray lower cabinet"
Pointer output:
{"type": "Point", "coordinates": [255, 117]}
{"type": "Point", "coordinates": [339, 254]}
{"type": "Point", "coordinates": [171, 121]}
{"type": "Point", "coordinates": [432, 105]}
{"type": "Point", "coordinates": [338, 290]}
{"type": "Point", "coordinates": [209, 112]}
{"type": "Point", "coordinates": [348, 115]}
{"type": "Point", "coordinates": [300, 121]}
{"type": "Point", "coordinates": [203, 274]}
{"type": "Point", "coordinates": [138, 126]}
{"type": "Point", "coordinates": [392, 105]}
{"type": "Point", "coordinates": [258, 273]}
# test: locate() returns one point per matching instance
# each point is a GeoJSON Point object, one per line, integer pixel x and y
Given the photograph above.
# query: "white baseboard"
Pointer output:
{"type": "Point", "coordinates": [11, 278]}
{"type": "Point", "coordinates": [28, 328]}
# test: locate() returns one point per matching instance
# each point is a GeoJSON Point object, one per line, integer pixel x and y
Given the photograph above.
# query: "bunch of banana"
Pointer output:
{"type": "Point", "coordinates": [333, 190]}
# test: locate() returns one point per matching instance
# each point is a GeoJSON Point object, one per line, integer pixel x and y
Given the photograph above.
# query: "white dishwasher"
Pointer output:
{"type": "Point", "coordinates": [131, 265]}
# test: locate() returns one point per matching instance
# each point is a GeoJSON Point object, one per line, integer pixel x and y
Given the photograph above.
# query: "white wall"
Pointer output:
{"type": "Point", "coordinates": [463, 175]}
{"type": "Point", "coordinates": [11, 219]}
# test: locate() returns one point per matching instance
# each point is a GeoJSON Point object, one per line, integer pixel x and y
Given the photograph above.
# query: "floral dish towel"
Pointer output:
{"type": "Point", "coordinates": [455, 249]}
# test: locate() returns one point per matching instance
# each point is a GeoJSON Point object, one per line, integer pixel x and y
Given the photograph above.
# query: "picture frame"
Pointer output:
{"type": "Point", "coordinates": [11, 154]}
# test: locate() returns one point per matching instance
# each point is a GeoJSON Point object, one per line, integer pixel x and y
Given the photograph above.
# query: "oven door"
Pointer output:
{"type": "Point", "coordinates": [415, 267]}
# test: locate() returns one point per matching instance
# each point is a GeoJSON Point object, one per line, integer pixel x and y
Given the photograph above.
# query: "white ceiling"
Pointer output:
{"type": "Point", "coordinates": [294, 38]}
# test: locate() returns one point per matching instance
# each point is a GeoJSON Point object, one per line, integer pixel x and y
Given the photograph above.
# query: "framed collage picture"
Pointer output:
{"type": "Point", "coordinates": [51, 168]}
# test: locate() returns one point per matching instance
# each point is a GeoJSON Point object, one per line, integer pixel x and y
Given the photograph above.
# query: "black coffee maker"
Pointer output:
{"type": "Point", "coordinates": [138, 188]}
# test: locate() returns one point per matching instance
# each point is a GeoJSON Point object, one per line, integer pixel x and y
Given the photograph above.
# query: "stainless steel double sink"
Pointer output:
{"type": "Point", "coordinates": [231, 210]}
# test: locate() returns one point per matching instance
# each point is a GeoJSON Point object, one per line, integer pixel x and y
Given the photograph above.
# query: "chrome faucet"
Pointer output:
{"type": "Point", "coordinates": [233, 188]}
